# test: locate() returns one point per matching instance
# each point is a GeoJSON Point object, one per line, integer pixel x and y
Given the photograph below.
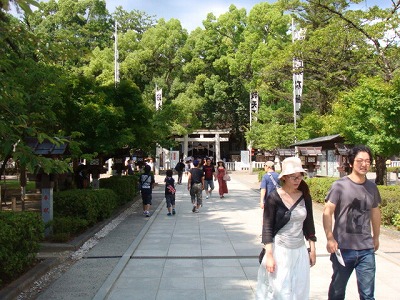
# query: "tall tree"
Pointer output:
{"type": "Point", "coordinates": [70, 29]}
{"type": "Point", "coordinates": [369, 115]}
{"type": "Point", "coordinates": [369, 46]}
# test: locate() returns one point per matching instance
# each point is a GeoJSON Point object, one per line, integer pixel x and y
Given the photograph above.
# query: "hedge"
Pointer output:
{"type": "Point", "coordinates": [126, 187]}
{"type": "Point", "coordinates": [20, 235]}
{"type": "Point", "coordinates": [90, 205]}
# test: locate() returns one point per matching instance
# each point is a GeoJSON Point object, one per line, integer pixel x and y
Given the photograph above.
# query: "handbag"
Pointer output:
{"type": "Point", "coordinates": [283, 222]}
{"type": "Point", "coordinates": [226, 177]}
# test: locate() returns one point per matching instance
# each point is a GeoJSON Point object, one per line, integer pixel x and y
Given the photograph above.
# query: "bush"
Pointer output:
{"type": "Point", "coordinates": [126, 187]}
{"type": "Point", "coordinates": [20, 234]}
{"type": "Point", "coordinates": [396, 221]}
{"type": "Point", "coordinates": [89, 205]}
{"type": "Point", "coordinates": [64, 228]}
{"type": "Point", "coordinates": [390, 206]}
{"type": "Point", "coordinates": [319, 187]}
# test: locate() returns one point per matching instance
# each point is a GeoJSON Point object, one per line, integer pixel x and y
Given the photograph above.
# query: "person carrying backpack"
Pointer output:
{"type": "Point", "coordinates": [170, 193]}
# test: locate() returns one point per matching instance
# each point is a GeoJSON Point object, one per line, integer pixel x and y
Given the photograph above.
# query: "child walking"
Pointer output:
{"type": "Point", "coordinates": [170, 192]}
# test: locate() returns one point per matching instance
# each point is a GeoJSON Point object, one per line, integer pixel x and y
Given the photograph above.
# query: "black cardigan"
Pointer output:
{"type": "Point", "coordinates": [274, 209]}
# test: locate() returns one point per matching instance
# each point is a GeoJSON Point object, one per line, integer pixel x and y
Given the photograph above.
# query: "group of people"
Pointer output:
{"type": "Point", "coordinates": [201, 176]}
{"type": "Point", "coordinates": [352, 237]}
{"type": "Point", "coordinates": [284, 272]}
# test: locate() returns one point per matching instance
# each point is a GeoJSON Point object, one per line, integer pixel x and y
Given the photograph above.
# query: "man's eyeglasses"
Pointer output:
{"type": "Point", "coordinates": [361, 161]}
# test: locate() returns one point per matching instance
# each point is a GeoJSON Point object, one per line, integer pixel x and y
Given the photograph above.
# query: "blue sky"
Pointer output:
{"type": "Point", "coordinates": [191, 13]}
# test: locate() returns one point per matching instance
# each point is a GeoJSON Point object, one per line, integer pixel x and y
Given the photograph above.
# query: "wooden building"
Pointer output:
{"type": "Point", "coordinates": [323, 156]}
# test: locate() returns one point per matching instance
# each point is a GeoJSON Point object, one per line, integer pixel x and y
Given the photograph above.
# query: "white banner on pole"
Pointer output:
{"type": "Point", "coordinates": [158, 99]}
{"type": "Point", "coordinates": [297, 85]}
{"type": "Point", "coordinates": [298, 70]}
{"type": "Point", "coordinates": [253, 106]}
{"type": "Point", "coordinates": [174, 157]}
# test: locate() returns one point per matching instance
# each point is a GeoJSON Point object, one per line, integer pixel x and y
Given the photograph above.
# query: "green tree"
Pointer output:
{"type": "Point", "coordinates": [69, 30]}
{"type": "Point", "coordinates": [369, 115]}
{"type": "Point", "coordinates": [368, 44]}
{"type": "Point", "coordinates": [25, 5]}
{"type": "Point", "coordinates": [30, 97]}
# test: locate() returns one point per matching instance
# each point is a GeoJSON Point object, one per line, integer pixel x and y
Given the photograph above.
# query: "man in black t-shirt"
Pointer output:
{"type": "Point", "coordinates": [180, 167]}
{"type": "Point", "coordinates": [196, 186]}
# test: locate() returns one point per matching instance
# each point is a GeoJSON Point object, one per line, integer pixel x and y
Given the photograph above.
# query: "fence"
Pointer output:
{"type": "Point", "coordinates": [238, 166]}
{"type": "Point", "coordinates": [395, 163]}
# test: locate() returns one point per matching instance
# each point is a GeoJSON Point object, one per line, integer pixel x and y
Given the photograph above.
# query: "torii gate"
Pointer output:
{"type": "Point", "coordinates": [207, 137]}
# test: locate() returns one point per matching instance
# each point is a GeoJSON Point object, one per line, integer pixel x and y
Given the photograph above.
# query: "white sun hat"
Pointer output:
{"type": "Point", "coordinates": [291, 165]}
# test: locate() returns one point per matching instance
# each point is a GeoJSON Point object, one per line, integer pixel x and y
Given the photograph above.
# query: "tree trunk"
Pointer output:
{"type": "Point", "coordinates": [380, 169]}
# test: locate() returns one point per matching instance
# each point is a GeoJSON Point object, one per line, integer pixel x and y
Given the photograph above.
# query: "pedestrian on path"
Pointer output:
{"type": "Point", "coordinates": [221, 177]}
{"type": "Point", "coordinates": [196, 186]}
{"type": "Point", "coordinates": [180, 167]}
{"type": "Point", "coordinates": [170, 192]}
{"type": "Point", "coordinates": [269, 182]}
{"type": "Point", "coordinates": [354, 200]}
{"type": "Point", "coordinates": [187, 167]}
{"type": "Point", "coordinates": [146, 187]}
{"type": "Point", "coordinates": [284, 272]}
{"type": "Point", "coordinates": [209, 177]}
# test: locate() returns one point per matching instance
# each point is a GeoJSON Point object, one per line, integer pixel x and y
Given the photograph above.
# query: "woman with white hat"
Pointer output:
{"type": "Point", "coordinates": [288, 220]}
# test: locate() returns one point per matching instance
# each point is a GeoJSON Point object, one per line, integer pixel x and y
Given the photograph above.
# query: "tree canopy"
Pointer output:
{"type": "Point", "coordinates": [57, 75]}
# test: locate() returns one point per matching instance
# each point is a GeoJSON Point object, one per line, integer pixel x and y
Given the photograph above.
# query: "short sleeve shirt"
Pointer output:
{"type": "Point", "coordinates": [146, 181]}
{"type": "Point", "coordinates": [197, 175]}
{"type": "Point", "coordinates": [169, 186]}
{"type": "Point", "coordinates": [267, 183]}
{"type": "Point", "coordinates": [352, 229]}
{"type": "Point", "coordinates": [208, 172]}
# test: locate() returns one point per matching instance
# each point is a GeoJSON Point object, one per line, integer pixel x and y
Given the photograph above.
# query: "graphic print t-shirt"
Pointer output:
{"type": "Point", "coordinates": [352, 229]}
{"type": "Point", "coordinates": [146, 181]}
{"type": "Point", "coordinates": [208, 172]}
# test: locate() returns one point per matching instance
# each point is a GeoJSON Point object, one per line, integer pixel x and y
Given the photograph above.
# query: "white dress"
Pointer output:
{"type": "Point", "coordinates": [291, 279]}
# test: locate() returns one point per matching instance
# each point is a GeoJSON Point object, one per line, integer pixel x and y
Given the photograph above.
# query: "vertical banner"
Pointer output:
{"type": "Point", "coordinates": [158, 98]}
{"type": "Point", "coordinates": [116, 56]}
{"type": "Point", "coordinates": [174, 158]}
{"type": "Point", "coordinates": [297, 85]}
{"type": "Point", "coordinates": [159, 163]}
{"type": "Point", "coordinates": [298, 70]}
{"type": "Point", "coordinates": [253, 106]}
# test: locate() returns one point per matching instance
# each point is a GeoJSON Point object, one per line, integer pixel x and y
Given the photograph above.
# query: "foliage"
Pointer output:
{"type": "Point", "coordinates": [89, 205]}
{"type": "Point", "coordinates": [57, 77]}
{"type": "Point", "coordinates": [390, 205]}
{"type": "Point", "coordinates": [368, 115]}
{"type": "Point", "coordinates": [319, 187]}
{"type": "Point", "coordinates": [65, 228]}
{"type": "Point", "coordinates": [124, 186]}
{"type": "Point", "coordinates": [20, 234]}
